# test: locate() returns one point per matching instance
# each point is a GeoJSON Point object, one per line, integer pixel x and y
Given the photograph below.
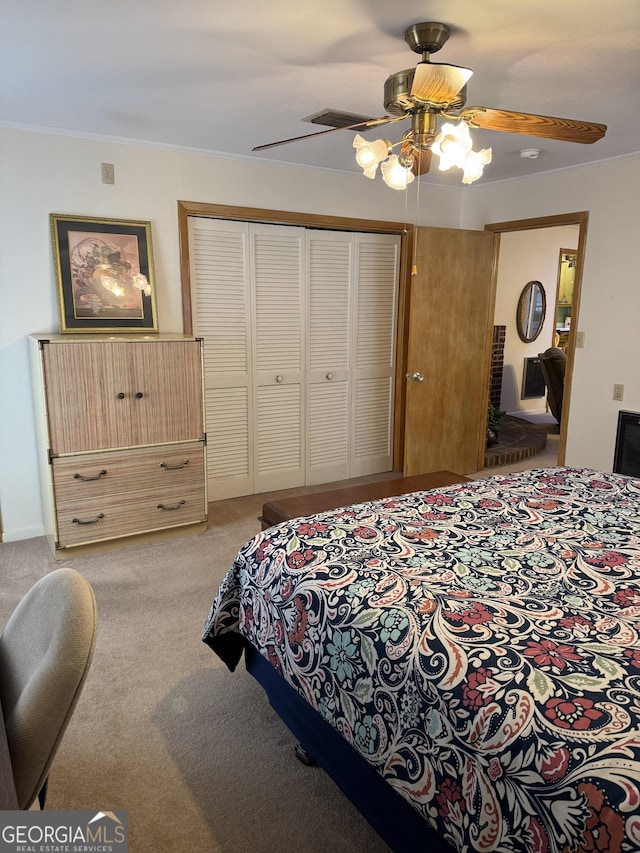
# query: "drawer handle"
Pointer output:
{"type": "Point", "coordinates": [174, 467]}
{"type": "Point", "coordinates": [102, 473]}
{"type": "Point", "coordinates": [95, 520]}
{"type": "Point", "coordinates": [175, 506]}
{"type": "Point", "coordinates": [120, 396]}
{"type": "Point", "coordinates": [139, 395]}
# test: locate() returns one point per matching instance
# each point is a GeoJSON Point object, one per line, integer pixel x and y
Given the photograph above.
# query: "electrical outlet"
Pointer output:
{"type": "Point", "coordinates": [618, 392]}
{"type": "Point", "coordinates": [580, 340]}
{"type": "Point", "coordinates": [108, 173]}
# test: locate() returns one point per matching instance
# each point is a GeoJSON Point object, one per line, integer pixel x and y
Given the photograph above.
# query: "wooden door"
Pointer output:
{"type": "Point", "coordinates": [450, 329]}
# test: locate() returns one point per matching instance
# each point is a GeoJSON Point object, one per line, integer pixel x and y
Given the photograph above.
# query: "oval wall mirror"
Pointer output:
{"type": "Point", "coordinates": [532, 306]}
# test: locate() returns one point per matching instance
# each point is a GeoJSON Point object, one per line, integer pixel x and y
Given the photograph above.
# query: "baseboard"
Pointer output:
{"type": "Point", "coordinates": [22, 533]}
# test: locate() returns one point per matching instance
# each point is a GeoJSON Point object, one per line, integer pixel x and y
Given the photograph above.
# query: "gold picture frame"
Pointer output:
{"type": "Point", "coordinates": [104, 274]}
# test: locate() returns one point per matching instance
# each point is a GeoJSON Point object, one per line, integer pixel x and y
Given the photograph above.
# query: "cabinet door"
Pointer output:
{"type": "Point", "coordinates": [330, 276]}
{"type": "Point", "coordinates": [109, 394]}
{"type": "Point", "coordinates": [165, 391]}
{"type": "Point", "coordinates": [87, 392]}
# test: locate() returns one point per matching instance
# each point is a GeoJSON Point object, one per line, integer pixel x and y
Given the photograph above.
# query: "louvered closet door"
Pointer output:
{"type": "Point", "coordinates": [220, 292]}
{"type": "Point", "coordinates": [277, 269]}
{"type": "Point", "coordinates": [299, 347]}
{"type": "Point", "coordinates": [330, 277]}
{"type": "Point", "coordinates": [374, 344]}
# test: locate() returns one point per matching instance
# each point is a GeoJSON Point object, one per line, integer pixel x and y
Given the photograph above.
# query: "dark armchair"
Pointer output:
{"type": "Point", "coordinates": [553, 362]}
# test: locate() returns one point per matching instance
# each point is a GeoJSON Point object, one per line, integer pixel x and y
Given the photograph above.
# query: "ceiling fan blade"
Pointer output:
{"type": "Point", "coordinates": [372, 123]}
{"type": "Point", "coordinates": [547, 127]}
{"type": "Point", "coordinates": [438, 83]}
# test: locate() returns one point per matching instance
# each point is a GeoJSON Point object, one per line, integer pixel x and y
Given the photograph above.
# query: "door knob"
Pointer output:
{"type": "Point", "coordinates": [415, 377]}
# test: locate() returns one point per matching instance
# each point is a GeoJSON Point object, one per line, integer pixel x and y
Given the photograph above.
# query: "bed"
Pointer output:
{"type": "Point", "coordinates": [468, 657]}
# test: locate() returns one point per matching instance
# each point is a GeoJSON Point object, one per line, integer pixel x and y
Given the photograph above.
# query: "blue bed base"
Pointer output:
{"type": "Point", "coordinates": [389, 814]}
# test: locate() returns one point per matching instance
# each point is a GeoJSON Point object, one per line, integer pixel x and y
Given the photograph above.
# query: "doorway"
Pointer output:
{"type": "Point", "coordinates": [579, 219]}
{"type": "Point", "coordinates": [564, 296]}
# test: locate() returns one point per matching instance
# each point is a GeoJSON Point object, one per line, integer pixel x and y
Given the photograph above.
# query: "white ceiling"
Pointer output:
{"type": "Point", "coordinates": [223, 76]}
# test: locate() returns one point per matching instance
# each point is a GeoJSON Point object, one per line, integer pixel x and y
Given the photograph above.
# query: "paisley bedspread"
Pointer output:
{"type": "Point", "coordinates": [477, 644]}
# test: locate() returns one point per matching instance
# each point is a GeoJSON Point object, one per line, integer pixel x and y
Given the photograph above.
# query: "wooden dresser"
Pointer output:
{"type": "Point", "coordinates": [121, 436]}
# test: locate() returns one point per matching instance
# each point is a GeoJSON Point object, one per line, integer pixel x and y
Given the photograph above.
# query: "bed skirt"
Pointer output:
{"type": "Point", "coordinates": [401, 827]}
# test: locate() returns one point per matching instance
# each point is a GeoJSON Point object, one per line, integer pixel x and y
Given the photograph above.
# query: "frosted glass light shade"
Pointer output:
{"type": "Point", "coordinates": [395, 175]}
{"type": "Point", "coordinates": [369, 154]}
{"type": "Point", "coordinates": [452, 145]}
{"type": "Point", "coordinates": [474, 165]}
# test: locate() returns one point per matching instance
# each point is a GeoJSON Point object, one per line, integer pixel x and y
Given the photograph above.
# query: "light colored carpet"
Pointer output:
{"type": "Point", "coordinates": [194, 753]}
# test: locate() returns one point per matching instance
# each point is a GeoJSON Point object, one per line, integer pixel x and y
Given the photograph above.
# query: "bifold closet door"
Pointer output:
{"type": "Point", "coordinates": [351, 335]}
{"type": "Point", "coordinates": [220, 293]}
{"type": "Point", "coordinates": [299, 347]}
{"type": "Point", "coordinates": [373, 335]}
{"type": "Point", "coordinates": [247, 296]}
{"type": "Point", "coordinates": [331, 278]}
{"type": "Point", "coordinates": [277, 284]}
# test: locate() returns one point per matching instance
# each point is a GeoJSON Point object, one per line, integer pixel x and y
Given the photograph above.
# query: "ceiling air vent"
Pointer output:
{"type": "Point", "coordinates": [337, 118]}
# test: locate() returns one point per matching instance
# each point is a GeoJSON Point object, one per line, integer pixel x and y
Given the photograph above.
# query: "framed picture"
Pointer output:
{"type": "Point", "coordinates": [104, 274]}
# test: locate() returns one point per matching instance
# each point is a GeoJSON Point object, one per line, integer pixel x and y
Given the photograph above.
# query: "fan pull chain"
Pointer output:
{"type": "Point", "coordinates": [414, 267]}
{"type": "Point", "coordinates": [406, 205]}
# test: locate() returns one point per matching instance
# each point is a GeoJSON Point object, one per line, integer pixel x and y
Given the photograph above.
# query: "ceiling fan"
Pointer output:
{"type": "Point", "coordinates": [431, 90]}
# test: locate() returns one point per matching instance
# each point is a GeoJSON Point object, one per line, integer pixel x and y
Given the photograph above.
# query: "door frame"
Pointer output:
{"type": "Point", "coordinates": [581, 219]}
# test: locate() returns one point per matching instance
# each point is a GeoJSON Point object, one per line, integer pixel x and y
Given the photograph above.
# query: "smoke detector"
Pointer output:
{"type": "Point", "coordinates": [529, 153]}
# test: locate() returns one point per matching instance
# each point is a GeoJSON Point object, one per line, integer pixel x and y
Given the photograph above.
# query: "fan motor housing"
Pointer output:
{"type": "Point", "coordinates": [397, 92]}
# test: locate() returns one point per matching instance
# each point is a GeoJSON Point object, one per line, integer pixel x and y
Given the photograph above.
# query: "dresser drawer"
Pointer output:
{"type": "Point", "coordinates": [89, 475]}
{"type": "Point", "coordinates": [110, 516]}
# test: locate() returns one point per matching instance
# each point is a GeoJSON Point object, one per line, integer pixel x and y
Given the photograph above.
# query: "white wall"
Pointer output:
{"type": "Point", "coordinates": [610, 301]}
{"type": "Point", "coordinates": [527, 256]}
{"type": "Point", "coordinates": [43, 173]}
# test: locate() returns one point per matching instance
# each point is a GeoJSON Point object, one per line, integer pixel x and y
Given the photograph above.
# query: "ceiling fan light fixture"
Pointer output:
{"type": "Point", "coordinates": [395, 174]}
{"type": "Point", "coordinates": [370, 154]}
{"type": "Point", "coordinates": [434, 89]}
